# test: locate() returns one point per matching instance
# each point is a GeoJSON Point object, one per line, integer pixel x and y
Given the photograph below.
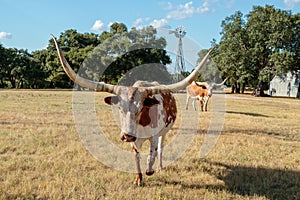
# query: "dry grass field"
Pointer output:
{"type": "Point", "coordinates": [257, 156]}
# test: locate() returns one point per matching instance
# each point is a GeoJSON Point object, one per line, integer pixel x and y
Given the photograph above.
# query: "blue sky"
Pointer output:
{"type": "Point", "coordinates": [27, 24]}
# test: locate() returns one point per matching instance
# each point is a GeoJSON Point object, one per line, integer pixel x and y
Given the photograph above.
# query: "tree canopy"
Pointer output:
{"type": "Point", "coordinates": [123, 51]}
{"type": "Point", "coordinates": [255, 47]}
{"type": "Point", "coordinates": [108, 57]}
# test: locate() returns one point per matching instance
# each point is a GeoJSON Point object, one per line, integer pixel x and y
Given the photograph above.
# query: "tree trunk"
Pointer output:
{"type": "Point", "coordinates": [298, 93]}
{"type": "Point", "coordinates": [232, 89]}
{"type": "Point", "coordinates": [243, 88]}
{"type": "Point", "coordinates": [260, 91]}
{"type": "Point", "coordinates": [238, 88]}
{"type": "Point", "coordinates": [12, 81]}
{"type": "Point", "coordinates": [1, 83]}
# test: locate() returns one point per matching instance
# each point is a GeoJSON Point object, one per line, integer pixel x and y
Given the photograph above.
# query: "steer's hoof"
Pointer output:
{"type": "Point", "coordinates": [138, 184]}
{"type": "Point", "coordinates": [158, 169]}
{"type": "Point", "coordinates": [149, 173]}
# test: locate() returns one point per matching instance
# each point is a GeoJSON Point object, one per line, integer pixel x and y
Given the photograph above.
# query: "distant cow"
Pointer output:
{"type": "Point", "coordinates": [201, 91]}
{"type": "Point", "coordinates": [147, 110]}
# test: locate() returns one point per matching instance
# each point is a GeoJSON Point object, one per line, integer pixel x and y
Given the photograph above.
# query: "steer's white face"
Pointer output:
{"type": "Point", "coordinates": [131, 102]}
{"type": "Point", "coordinates": [209, 89]}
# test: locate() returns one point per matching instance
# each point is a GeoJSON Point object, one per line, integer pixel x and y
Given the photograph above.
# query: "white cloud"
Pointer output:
{"type": "Point", "coordinates": [111, 23]}
{"type": "Point", "coordinates": [140, 22]}
{"type": "Point", "coordinates": [99, 26]}
{"type": "Point", "coordinates": [160, 23]}
{"type": "Point", "coordinates": [5, 35]}
{"type": "Point", "coordinates": [291, 3]}
{"type": "Point", "coordinates": [186, 10]}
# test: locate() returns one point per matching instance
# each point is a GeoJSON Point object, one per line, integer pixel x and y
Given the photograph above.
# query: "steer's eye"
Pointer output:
{"type": "Point", "coordinates": [111, 100]}
{"type": "Point", "coordinates": [148, 102]}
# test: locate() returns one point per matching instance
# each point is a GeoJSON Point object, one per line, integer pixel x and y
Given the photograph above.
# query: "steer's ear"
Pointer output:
{"type": "Point", "coordinates": [111, 100]}
{"type": "Point", "coordinates": [148, 102]}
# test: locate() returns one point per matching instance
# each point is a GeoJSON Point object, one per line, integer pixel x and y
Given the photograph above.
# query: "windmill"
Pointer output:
{"type": "Point", "coordinates": [179, 32]}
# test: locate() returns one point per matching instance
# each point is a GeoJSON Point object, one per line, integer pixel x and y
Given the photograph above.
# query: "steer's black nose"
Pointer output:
{"type": "Point", "coordinates": [128, 138]}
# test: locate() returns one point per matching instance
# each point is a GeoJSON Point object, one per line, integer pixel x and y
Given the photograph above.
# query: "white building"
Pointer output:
{"type": "Point", "coordinates": [286, 86]}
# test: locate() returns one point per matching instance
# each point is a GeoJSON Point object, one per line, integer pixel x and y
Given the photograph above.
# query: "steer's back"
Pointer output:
{"type": "Point", "coordinates": [194, 90]}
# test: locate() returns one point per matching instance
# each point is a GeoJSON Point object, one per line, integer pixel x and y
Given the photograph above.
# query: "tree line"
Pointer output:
{"type": "Point", "coordinates": [120, 51]}
{"type": "Point", "coordinates": [252, 49]}
{"type": "Point", "coordinates": [257, 46]}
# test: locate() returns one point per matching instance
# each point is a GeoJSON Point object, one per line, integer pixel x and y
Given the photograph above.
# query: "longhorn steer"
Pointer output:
{"type": "Point", "coordinates": [201, 91]}
{"type": "Point", "coordinates": [197, 92]}
{"type": "Point", "coordinates": [147, 110]}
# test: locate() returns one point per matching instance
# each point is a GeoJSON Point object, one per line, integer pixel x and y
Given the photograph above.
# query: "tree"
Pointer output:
{"type": "Point", "coordinates": [285, 43]}
{"type": "Point", "coordinates": [120, 50]}
{"type": "Point", "coordinates": [210, 71]}
{"type": "Point", "coordinates": [3, 66]}
{"type": "Point", "coordinates": [40, 70]}
{"type": "Point", "coordinates": [123, 51]}
{"type": "Point", "coordinates": [15, 66]}
{"type": "Point", "coordinates": [271, 34]}
{"type": "Point", "coordinates": [117, 28]}
{"type": "Point", "coordinates": [231, 54]}
{"type": "Point", "coordinates": [18, 69]}
{"type": "Point", "coordinates": [76, 47]}
{"type": "Point", "coordinates": [255, 48]}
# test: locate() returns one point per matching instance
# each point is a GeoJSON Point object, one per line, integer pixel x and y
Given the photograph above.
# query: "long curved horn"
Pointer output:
{"type": "Point", "coordinates": [98, 86]}
{"type": "Point", "coordinates": [185, 82]}
{"type": "Point", "coordinates": [220, 84]}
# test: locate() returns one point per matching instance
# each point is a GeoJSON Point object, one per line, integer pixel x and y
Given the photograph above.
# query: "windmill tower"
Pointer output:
{"type": "Point", "coordinates": [179, 32]}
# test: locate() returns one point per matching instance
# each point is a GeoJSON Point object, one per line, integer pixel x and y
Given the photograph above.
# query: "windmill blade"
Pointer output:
{"type": "Point", "coordinates": [172, 31]}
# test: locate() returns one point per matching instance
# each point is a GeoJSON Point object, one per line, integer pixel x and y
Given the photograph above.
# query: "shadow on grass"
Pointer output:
{"type": "Point", "coordinates": [251, 181]}
{"type": "Point", "coordinates": [247, 113]}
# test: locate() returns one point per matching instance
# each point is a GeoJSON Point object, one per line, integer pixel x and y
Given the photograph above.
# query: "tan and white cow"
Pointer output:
{"type": "Point", "coordinates": [196, 92]}
{"type": "Point", "coordinates": [147, 110]}
{"type": "Point", "coordinates": [201, 91]}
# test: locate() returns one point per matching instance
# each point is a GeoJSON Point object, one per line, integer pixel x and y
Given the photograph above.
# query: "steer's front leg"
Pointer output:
{"type": "Point", "coordinates": [152, 155]}
{"type": "Point", "coordinates": [139, 177]}
{"type": "Point", "coordinates": [205, 99]}
{"type": "Point", "coordinates": [187, 101]}
{"type": "Point", "coordinates": [160, 151]}
{"type": "Point", "coordinates": [201, 102]}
